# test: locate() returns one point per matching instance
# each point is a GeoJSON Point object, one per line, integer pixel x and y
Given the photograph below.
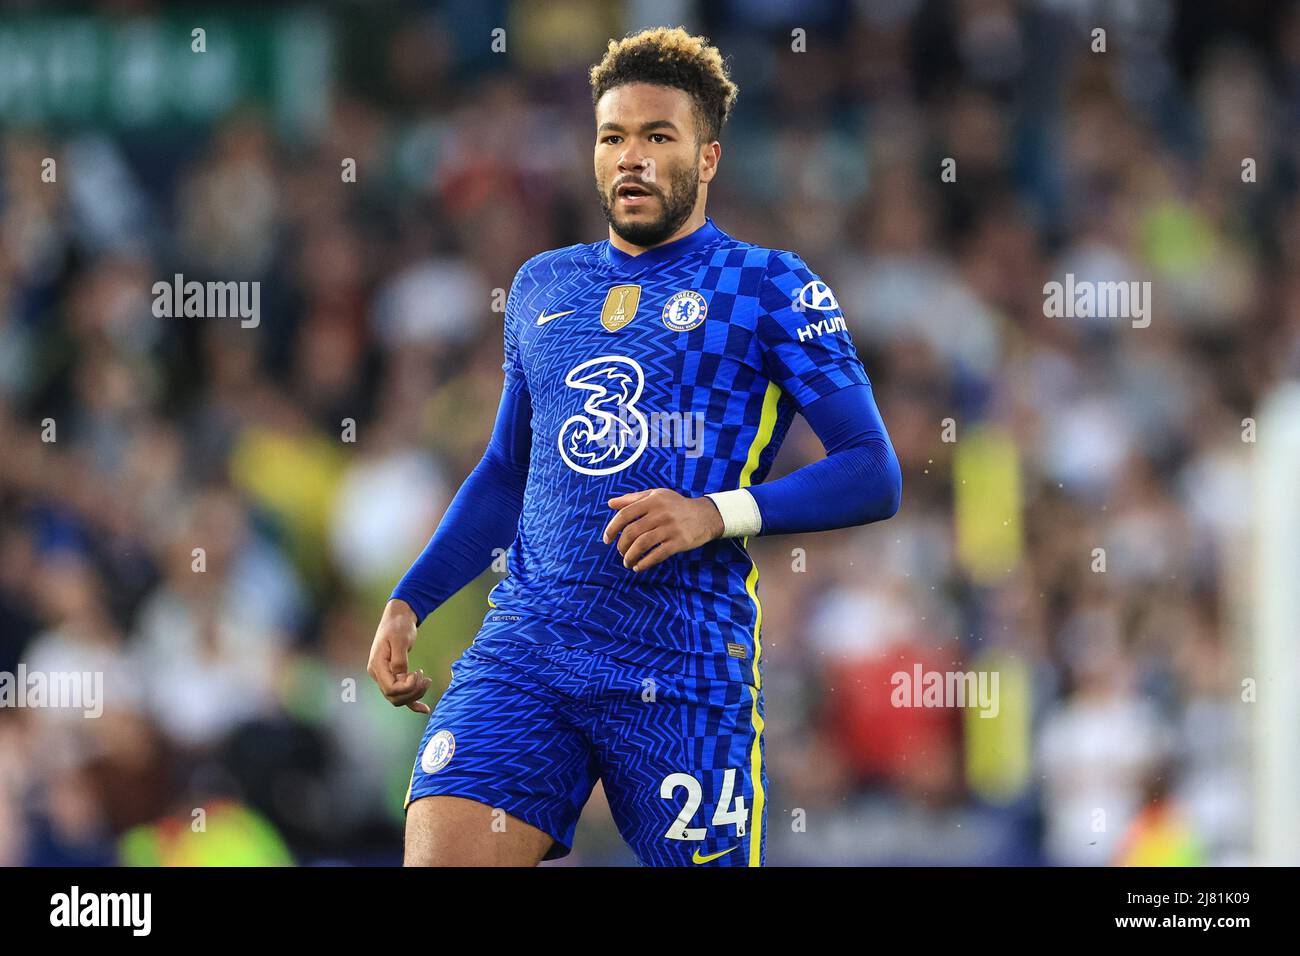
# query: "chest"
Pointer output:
{"type": "Point", "coordinates": [655, 341]}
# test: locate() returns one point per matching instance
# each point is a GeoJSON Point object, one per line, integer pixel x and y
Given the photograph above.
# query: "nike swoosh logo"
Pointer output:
{"type": "Point", "coordinates": [696, 858]}
{"type": "Point", "coordinates": [544, 318]}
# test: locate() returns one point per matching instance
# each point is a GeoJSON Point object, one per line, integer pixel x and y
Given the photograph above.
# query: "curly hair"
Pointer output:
{"type": "Point", "coordinates": [669, 56]}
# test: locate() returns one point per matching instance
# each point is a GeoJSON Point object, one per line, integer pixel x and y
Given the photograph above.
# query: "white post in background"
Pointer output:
{"type": "Point", "coordinates": [1277, 629]}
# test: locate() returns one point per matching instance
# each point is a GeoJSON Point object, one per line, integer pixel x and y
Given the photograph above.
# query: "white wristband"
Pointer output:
{"type": "Point", "coordinates": [739, 510]}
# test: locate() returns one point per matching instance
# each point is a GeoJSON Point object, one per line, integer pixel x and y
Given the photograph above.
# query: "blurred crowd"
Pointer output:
{"type": "Point", "coordinates": [212, 515]}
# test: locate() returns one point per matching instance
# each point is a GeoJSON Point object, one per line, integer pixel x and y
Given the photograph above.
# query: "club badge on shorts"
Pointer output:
{"type": "Point", "coordinates": [438, 752]}
{"type": "Point", "coordinates": [685, 311]}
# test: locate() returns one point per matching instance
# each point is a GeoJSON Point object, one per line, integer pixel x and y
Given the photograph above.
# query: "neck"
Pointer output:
{"type": "Point", "coordinates": [694, 221]}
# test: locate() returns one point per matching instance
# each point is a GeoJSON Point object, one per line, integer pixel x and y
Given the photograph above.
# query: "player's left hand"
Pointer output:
{"type": "Point", "coordinates": [662, 520]}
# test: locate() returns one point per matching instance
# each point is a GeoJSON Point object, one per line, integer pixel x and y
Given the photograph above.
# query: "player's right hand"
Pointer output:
{"type": "Point", "coordinates": [388, 659]}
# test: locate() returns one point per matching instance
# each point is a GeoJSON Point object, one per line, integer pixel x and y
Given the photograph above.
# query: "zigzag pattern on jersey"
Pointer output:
{"type": "Point", "coordinates": [680, 602]}
{"type": "Point", "coordinates": [562, 548]}
{"type": "Point", "coordinates": [693, 612]}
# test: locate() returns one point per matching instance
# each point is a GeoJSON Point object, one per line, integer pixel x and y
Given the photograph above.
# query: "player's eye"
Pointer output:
{"type": "Point", "coordinates": [611, 139]}
{"type": "Point", "coordinates": [661, 138]}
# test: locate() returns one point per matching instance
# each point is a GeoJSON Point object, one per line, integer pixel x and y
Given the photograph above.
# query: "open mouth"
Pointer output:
{"type": "Point", "coordinates": [633, 194]}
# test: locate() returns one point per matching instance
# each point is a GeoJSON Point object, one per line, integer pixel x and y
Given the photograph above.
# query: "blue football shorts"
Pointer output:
{"type": "Point", "coordinates": [529, 728]}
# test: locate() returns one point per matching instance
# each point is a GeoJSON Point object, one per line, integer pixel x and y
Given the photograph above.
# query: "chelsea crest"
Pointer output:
{"type": "Point", "coordinates": [685, 311]}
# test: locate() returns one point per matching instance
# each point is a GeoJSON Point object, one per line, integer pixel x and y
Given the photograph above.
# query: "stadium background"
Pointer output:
{"type": "Point", "coordinates": [1120, 691]}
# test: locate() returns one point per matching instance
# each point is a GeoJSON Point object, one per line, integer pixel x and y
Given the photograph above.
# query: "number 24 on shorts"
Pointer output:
{"type": "Point", "coordinates": [679, 830]}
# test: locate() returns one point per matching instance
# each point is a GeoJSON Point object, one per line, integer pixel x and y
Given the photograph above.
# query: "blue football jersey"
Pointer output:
{"type": "Point", "coordinates": [681, 368]}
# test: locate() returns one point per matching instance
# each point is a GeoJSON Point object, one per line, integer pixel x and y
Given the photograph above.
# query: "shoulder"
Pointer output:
{"type": "Point", "coordinates": [787, 270]}
{"type": "Point", "coordinates": [790, 293]}
{"type": "Point", "coordinates": [728, 250]}
{"type": "Point", "coordinates": [793, 284]}
{"type": "Point", "coordinates": [780, 278]}
{"type": "Point", "coordinates": [540, 271]}
{"type": "Point", "coordinates": [546, 265]}
{"type": "Point", "coordinates": [741, 268]}
{"type": "Point", "coordinates": [768, 270]}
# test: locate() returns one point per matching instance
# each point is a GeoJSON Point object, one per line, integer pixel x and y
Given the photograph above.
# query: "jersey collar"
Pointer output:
{"type": "Point", "coordinates": [688, 243]}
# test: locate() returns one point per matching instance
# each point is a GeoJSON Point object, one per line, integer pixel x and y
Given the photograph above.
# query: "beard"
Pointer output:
{"type": "Point", "coordinates": [675, 208]}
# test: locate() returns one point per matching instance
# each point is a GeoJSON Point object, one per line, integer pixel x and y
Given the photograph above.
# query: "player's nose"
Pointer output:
{"type": "Point", "coordinates": [632, 161]}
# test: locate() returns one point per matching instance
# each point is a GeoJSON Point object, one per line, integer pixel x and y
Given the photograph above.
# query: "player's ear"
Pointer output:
{"type": "Point", "coordinates": [709, 157]}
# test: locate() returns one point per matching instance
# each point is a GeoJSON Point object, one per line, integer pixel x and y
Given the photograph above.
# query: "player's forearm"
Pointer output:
{"type": "Point", "coordinates": [853, 486]}
{"type": "Point", "coordinates": [858, 482]}
{"type": "Point", "coordinates": [482, 517]}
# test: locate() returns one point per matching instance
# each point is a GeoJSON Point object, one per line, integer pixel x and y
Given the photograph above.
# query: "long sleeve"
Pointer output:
{"type": "Point", "coordinates": [858, 481]}
{"type": "Point", "coordinates": [484, 514]}
{"type": "Point", "coordinates": [808, 352]}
